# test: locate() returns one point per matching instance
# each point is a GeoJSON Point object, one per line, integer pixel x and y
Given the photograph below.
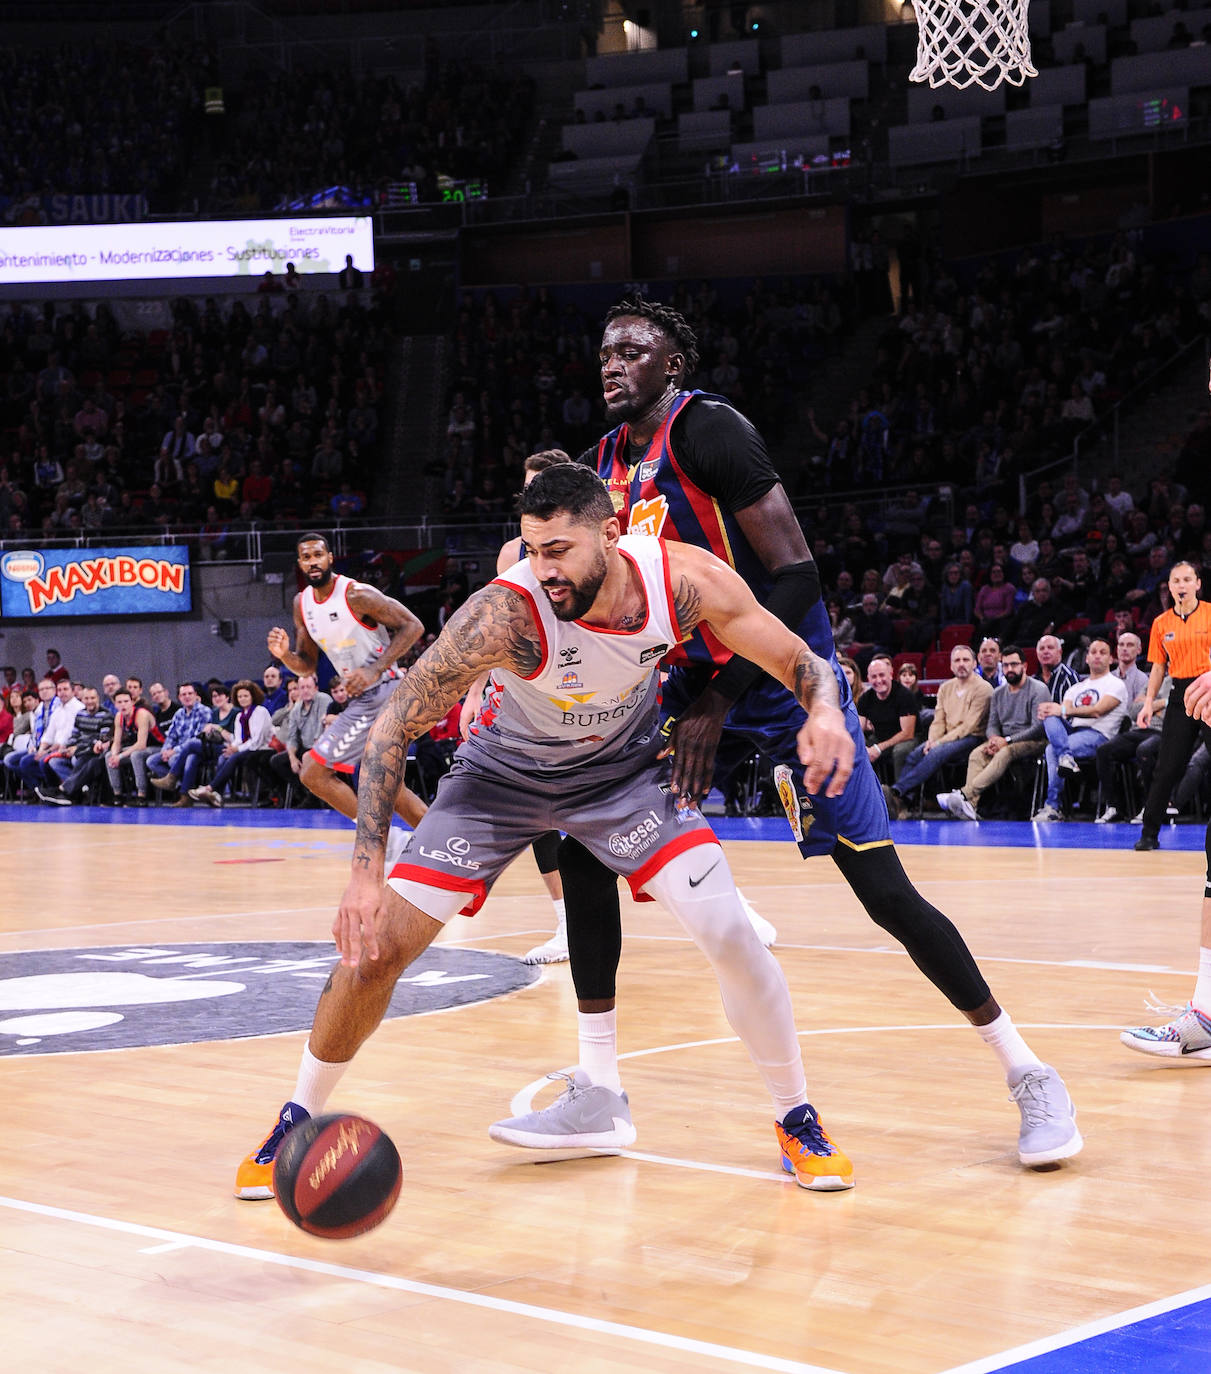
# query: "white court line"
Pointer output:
{"type": "Point", "coordinates": [643, 1335]}
{"type": "Point", "coordinates": [167, 1248]}
{"type": "Point", "coordinates": [1047, 1344]}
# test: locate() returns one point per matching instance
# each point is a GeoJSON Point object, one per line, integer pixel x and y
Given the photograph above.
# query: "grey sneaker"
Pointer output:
{"type": "Point", "coordinates": [1047, 813]}
{"type": "Point", "coordinates": [1049, 1130]}
{"type": "Point", "coordinates": [1186, 1038]}
{"type": "Point", "coordinates": [1067, 764]}
{"type": "Point", "coordinates": [587, 1118]}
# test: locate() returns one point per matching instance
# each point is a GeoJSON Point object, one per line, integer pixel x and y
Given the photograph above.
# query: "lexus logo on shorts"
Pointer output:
{"type": "Point", "coordinates": [457, 845]}
{"type": "Point", "coordinates": [65, 1001]}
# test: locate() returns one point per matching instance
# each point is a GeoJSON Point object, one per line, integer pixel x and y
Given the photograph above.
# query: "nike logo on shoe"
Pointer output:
{"type": "Point", "coordinates": [695, 882]}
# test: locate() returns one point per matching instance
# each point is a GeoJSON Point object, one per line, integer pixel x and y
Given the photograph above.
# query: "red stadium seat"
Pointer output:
{"type": "Point", "coordinates": [901, 659]}
{"type": "Point", "coordinates": [955, 634]}
{"type": "Point", "coordinates": [1031, 660]}
{"type": "Point", "coordinates": [937, 665]}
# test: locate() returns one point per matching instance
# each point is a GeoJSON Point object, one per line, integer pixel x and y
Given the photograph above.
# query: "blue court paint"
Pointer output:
{"type": "Point", "coordinates": [989, 834]}
{"type": "Point", "coordinates": [992, 834]}
{"type": "Point", "coordinates": [1170, 1342]}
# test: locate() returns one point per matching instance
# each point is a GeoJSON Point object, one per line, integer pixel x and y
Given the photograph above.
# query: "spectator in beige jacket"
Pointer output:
{"type": "Point", "coordinates": [957, 727]}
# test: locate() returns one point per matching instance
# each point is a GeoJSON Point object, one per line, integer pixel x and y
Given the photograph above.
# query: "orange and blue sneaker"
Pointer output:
{"type": "Point", "coordinates": [809, 1153]}
{"type": "Point", "coordinates": [254, 1177]}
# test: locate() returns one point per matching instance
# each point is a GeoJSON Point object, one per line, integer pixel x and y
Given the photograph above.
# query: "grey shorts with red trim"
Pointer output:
{"type": "Point", "coordinates": [342, 745]}
{"type": "Point", "coordinates": [482, 819]}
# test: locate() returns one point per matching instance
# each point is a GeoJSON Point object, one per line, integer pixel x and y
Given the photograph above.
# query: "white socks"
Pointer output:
{"type": "Point", "coordinates": [316, 1081]}
{"type": "Point", "coordinates": [561, 911]}
{"type": "Point", "coordinates": [1002, 1038]}
{"type": "Point", "coordinates": [598, 1035]}
{"type": "Point", "coordinates": [1202, 989]}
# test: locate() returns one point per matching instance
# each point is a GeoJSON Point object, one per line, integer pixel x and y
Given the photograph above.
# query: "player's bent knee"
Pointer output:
{"type": "Point", "coordinates": [697, 887]}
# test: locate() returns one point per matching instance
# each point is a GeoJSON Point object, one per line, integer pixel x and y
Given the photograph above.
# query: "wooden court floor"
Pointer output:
{"type": "Point", "coordinates": [122, 1249]}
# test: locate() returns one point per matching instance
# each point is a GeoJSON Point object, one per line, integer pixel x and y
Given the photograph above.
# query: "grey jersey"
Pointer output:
{"type": "Point", "coordinates": [595, 696]}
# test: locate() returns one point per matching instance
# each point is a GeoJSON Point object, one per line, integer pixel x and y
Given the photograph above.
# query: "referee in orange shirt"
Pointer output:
{"type": "Point", "coordinates": [1180, 643]}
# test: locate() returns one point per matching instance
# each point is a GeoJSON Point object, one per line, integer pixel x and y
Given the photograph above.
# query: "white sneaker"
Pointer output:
{"type": "Point", "coordinates": [1047, 813]}
{"type": "Point", "coordinates": [958, 805]}
{"type": "Point", "coordinates": [1067, 763]}
{"type": "Point", "coordinates": [765, 932]}
{"type": "Point", "coordinates": [555, 951]}
{"type": "Point", "coordinates": [1138, 818]}
{"type": "Point", "coordinates": [206, 794]}
{"type": "Point", "coordinates": [1110, 814]}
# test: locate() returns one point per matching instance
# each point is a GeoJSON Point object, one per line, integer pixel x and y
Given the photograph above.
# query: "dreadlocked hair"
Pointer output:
{"type": "Point", "coordinates": [671, 323]}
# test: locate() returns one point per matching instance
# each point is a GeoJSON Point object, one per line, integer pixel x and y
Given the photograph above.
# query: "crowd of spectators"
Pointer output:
{"type": "Point", "coordinates": [96, 118]}
{"type": "Point", "coordinates": [261, 411]}
{"type": "Point", "coordinates": [85, 119]}
{"type": "Point", "coordinates": [988, 375]}
{"type": "Point", "coordinates": [290, 134]}
{"type": "Point", "coordinates": [112, 741]}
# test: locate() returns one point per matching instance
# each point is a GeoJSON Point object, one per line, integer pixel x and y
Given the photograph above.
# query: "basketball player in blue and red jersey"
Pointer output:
{"type": "Point", "coordinates": [364, 633]}
{"type": "Point", "coordinates": [688, 467]}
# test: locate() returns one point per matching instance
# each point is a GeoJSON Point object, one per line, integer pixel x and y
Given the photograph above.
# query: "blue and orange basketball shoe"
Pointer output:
{"type": "Point", "coordinates": [808, 1152]}
{"type": "Point", "coordinates": [254, 1177]}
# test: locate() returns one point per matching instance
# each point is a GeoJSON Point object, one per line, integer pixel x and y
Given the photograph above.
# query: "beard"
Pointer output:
{"type": "Point", "coordinates": [581, 595]}
{"type": "Point", "coordinates": [319, 577]}
{"type": "Point", "coordinates": [1013, 678]}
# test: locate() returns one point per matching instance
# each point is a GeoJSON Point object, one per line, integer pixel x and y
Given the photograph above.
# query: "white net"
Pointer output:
{"type": "Point", "coordinates": [972, 42]}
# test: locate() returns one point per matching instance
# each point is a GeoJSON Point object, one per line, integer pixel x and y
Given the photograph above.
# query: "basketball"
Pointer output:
{"type": "Point", "coordinates": [337, 1176]}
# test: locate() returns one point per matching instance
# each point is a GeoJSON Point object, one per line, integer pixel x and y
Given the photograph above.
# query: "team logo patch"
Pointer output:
{"type": "Point", "coordinates": [788, 795]}
{"type": "Point", "coordinates": [648, 469]}
{"type": "Point", "coordinates": [657, 651]}
{"type": "Point", "coordinates": [569, 682]}
{"type": "Point", "coordinates": [648, 516]}
{"type": "Point", "coordinates": [72, 1001]}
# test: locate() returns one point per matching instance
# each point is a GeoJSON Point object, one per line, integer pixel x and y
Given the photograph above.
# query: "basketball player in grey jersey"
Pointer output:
{"type": "Point", "coordinates": [586, 757]}
{"type": "Point", "coordinates": [369, 685]}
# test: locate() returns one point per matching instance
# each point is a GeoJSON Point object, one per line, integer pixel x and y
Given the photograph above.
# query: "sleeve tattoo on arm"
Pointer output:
{"type": "Point", "coordinates": [494, 629]}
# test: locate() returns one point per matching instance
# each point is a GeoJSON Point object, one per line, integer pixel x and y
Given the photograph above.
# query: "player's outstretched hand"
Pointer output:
{"type": "Point", "coordinates": [278, 641]}
{"type": "Point", "coordinates": [1198, 698]}
{"type": "Point", "coordinates": [825, 746]}
{"type": "Point", "coordinates": [354, 928]}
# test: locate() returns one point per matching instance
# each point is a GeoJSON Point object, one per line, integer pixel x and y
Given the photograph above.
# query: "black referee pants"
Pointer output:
{"type": "Point", "coordinates": [1179, 736]}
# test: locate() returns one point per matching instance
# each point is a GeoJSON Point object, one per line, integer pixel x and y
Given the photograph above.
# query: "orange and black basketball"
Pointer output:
{"type": "Point", "coordinates": [337, 1175]}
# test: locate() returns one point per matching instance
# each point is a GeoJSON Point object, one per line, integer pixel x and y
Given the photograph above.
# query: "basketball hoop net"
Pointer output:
{"type": "Point", "coordinates": [972, 42]}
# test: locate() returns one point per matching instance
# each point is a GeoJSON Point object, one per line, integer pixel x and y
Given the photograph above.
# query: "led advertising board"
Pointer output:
{"type": "Point", "coordinates": [52, 584]}
{"type": "Point", "coordinates": [180, 250]}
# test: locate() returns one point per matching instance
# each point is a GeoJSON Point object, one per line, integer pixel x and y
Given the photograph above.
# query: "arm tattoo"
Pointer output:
{"type": "Point", "coordinates": [494, 629]}
{"type": "Point", "coordinates": [687, 604]}
{"type": "Point", "coordinates": [814, 682]}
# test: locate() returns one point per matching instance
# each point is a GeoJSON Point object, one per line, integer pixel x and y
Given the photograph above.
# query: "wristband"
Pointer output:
{"type": "Point", "coordinates": [878, 750]}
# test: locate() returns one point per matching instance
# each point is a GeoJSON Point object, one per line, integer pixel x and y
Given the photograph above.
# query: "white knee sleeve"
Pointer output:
{"type": "Point", "coordinates": [697, 887]}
